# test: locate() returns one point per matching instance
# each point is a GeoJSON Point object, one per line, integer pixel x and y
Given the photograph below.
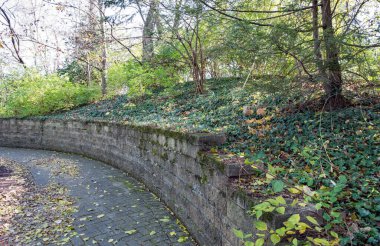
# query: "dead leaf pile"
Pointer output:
{"type": "Point", "coordinates": [31, 214]}
{"type": "Point", "coordinates": [59, 166]}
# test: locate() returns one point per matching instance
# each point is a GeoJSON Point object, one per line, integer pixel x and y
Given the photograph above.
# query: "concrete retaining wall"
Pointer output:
{"type": "Point", "coordinates": [170, 164]}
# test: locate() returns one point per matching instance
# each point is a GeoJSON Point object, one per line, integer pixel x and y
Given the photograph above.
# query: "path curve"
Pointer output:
{"type": "Point", "coordinates": [113, 208]}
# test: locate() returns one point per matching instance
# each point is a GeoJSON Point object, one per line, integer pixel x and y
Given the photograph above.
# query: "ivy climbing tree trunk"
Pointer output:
{"type": "Point", "coordinates": [333, 87]}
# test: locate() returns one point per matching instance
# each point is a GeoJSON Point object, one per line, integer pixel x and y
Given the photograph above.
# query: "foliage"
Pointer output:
{"type": "Point", "coordinates": [34, 94]}
{"type": "Point", "coordinates": [140, 80]}
{"type": "Point", "coordinates": [297, 228]}
{"type": "Point", "coordinates": [293, 227]}
{"type": "Point", "coordinates": [333, 153]}
{"type": "Point", "coordinates": [74, 71]}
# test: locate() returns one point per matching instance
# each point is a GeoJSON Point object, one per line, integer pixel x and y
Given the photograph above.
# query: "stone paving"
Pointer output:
{"type": "Point", "coordinates": [113, 208]}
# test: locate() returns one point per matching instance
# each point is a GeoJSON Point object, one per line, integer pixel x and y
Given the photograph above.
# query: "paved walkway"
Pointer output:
{"type": "Point", "coordinates": [112, 208]}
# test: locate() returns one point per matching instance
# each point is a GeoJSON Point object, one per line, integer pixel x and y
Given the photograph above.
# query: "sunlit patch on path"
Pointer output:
{"type": "Point", "coordinates": [54, 198]}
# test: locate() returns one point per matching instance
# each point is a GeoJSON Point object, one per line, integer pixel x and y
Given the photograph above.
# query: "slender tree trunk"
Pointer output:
{"type": "Point", "coordinates": [317, 44]}
{"type": "Point", "coordinates": [148, 32]}
{"type": "Point", "coordinates": [198, 79]}
{"type": "Point", "coordinates": [199, 71]}
{"type": "Point", "coordinates": [89, 71]}
{"type": "Point", "coordinates": [104, 49]}
{"type": "Point", "coordinates": [92, 32]}
{"type": "Point", "coordinates": [198, 55]}
{"type": "Point", "coordinates": [57, 53]}
{"type": "Point", "coordinates": [333, 88]}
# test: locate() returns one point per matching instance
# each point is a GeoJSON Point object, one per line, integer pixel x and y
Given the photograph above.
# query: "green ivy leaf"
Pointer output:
{"type": "Point", "coordinates": [260, 242]}
{"type": "Point", "coordinates": [249, 243]}
{"type": "Point", "coordinates": [318, 206]}
{"type": "Point", "coordinates": [280, 200]}
{"type": "Point", "coordinates": [238, 233]}
{"type": "Point", "coordinates": [334, 234]}
{"type": "Point", "coordinates": [261, 226]}
{"type": "Point", "coordinates": [295, 242]}
{"type": "Point", "coordinates": [294, 219]}
{"type": "Point", "coordinates": [280, 210]}
{"type": "Point", "coordinates": [258, 214]}
{"type": "Point", "coordinates": [326, 216]}
{"type": "Point", "coordinates": [312, 220]}
{"type": "Point", "coordinates": [321, 241]}
{"type": "Point", "coordinates": [278, 185]}
{"type": "Point", "coordinates": [275, 239]}
{"type": "Point", "coordinates": [281, 231]}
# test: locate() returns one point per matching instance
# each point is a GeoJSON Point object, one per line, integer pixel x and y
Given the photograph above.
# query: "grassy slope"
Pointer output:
{"type": "Point", "coordinates": [310, 148]}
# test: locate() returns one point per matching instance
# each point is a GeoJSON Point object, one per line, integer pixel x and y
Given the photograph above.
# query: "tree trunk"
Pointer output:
{"type": "Point", "coordinates": [198, 79]}
{"type": "Point", "coordinates": [199, 72]}
{"type": "Point", "coordinates": [104, 49]}
{"type": "Point", "coordinates": [89, 71]}
{"type": "Point", "coordinates": [198, 54]}
{"type": "Point", "coordinates": [334, 85]}
{"type": "Point", "coordinates": [322, 76]}
{"type": "Point", "coordinates": [93, 36]}
{"type": "Point", "coordinates": [148, 32]}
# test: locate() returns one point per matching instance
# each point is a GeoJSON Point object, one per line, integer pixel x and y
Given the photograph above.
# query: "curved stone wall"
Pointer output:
{"type": "Point", "coordinates": [170, 164]}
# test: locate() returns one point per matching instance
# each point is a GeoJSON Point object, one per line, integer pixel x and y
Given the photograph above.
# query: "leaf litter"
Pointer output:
{"type": "Point", "coordinates": [59, 166]}
{"type": "Point", "coordinates": [31, 214]}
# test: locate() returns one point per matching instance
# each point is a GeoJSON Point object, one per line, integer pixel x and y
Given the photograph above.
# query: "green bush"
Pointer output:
{"type": "Point", "coordinates": [140, 79]}
{"type": "Point", "coordinates": [34, 94]}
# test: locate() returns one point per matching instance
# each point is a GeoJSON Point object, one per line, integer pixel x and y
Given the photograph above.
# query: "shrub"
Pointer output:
{"type": "Point", "coordinates": [140, 79]}
{"type": "Point", "coordinates": [34, 94]}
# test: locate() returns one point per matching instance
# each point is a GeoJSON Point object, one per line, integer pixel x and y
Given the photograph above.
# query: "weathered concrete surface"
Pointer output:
{"type": "Point", "coordinates": [110, 203]}
{"type": "Point", "coordinates": [170, 164]}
